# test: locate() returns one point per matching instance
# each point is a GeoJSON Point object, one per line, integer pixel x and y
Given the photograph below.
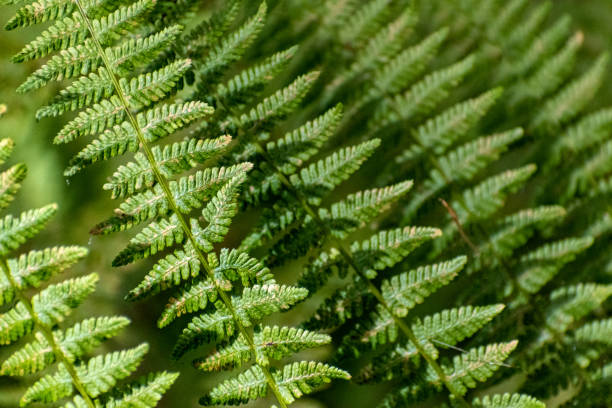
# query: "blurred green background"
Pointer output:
{"type": "Point", "coordinates": [82, 203]}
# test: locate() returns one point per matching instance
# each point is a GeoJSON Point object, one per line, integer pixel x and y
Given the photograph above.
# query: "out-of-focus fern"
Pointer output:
{"type": "Point", "coordinates": [550, 98]}
{"type": "Point", "coordinates": [88, 381]}
{"type": "Point", "coordinates": [425, 131]}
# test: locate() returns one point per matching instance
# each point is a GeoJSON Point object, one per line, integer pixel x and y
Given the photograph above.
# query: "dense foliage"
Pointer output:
{"type": "Point", "coordinates": [423, 186]}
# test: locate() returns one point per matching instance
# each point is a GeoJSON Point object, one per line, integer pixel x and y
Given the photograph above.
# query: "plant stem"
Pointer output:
{"type": "Point", "coordinates": [163, 182]}
{"type": "Point", "coordinates": [48, 334]}
{"type": "Point", "coordinates": [371, 287]}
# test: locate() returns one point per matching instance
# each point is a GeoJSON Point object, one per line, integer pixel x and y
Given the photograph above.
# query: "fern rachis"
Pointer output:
{"type": "Point", "coordinates": [161, 180]}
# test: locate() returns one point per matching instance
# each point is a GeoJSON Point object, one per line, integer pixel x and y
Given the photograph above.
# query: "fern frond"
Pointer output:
{"type": "Point", "coordinates": [15, 231]}
{"type": "Point", "coordinates": [10, 183]}
{"type": "Point", "coordinates": [189, 193]}
{"type": "Point", "coordinates": [318, 270]}
{"type": "Point", "coordinates": [572, 99]}
{"type": "Point", "coordinates": [76, 341]}
{"type": "Point", "coordinates": [380, 48]}
{"type": "Point", "coordinates": [587, 132]}
{"type": "Point", "coordinates": [385, 249]}
{"type": "Point", "coordinates": [231, 48]}
{"type": "Point", "coordinates": [572, 303]}
{"type": "Point", "coordinates": [231, 265]}
{"type": "Point", "coordinates": [423, 96]}
{"type": "Point", "coordinates": [172, 159]}
{"type": "Point", "coordinates": [295, 148]}
{"type": "Point", "coordinates": [486, 198]}
{"type": "Point", "coordinates": [542, 264]}
{"type": "Point", "coordinates": [114, 84]}
{"type": "Point", "coordinates": [98, 375]}
{"type": "Point", "coordinates": [35, 267]}
{"type": "Point", "coordinates": [463, 164]}
{"type": "Point", "coordinates": [407, 66]}
{"type": "Point", "coordinates": [477, 365]}
{"type": "Point", "coordinates": [145, 392]}
{"type": "Point", "coordinates": [140, 91]}
{"type": "Point", "coordinates": [404, 291]}
{"type": "Point", "coordinates": [278, 105]}
{"type": "Point", "coordinates": [46, 310]}
{"type": "Point", "coordinates": [445, 329]}
{"type": "Point", "coordinates": [6, 147]}
{"type": "Point", "coordinates": [365, 21]}
{"type": "Point", "coordinates": [362, 207]}
{"type": "Point", "coordinates": [324, 175]}
{"type": "Point", "coordinates": [439, 133]}
{"type": "Point", "coordinates": [155, 124]}
{"type": "Point", "coordinates": [71, 31]}
{"type": "Point", "coordinates": [508, 401]}
{"type": "Point", "coordinates": [49, 10]}
{"type": "Point", "coordinates": [467, 160]}
{"type": "Point", "coordinates": [538, 49]}
{"type": "Point", "coordinates": [551, 74]}
{"type": "Point", "coordinates": [255, 303]}
{"type": "Point", "coordinates": [242, 87]}
{"type": "Point", "coordinates": [84, 58]}
{"type": "Point", "coordinates": [218, 213]}
{"type": "Point", "coordinates": [368, 60]}
{"type": "Point", "coordinates": [270, 342]}
{"type": "Point", "coordinates": [598, 331]}
{"type": "Point", "coordinates": [294, 381]}
{"type": "Point", "coordinates": [191, 299]}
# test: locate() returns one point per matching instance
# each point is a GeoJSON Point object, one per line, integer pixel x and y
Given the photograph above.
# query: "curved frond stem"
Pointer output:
{"type": "Point", "coordinates": [163, 182]}
{"type": "Point", "coordinates": [405, 328]}
{"type": "Point", "coordinates": [48, 334]}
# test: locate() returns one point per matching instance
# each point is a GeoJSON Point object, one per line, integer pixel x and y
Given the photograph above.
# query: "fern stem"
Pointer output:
{"type": "Point", "coordinates": [48, 334]}
{"type": "Point", "coordinates": [163, 182]}
{"type": "Point", "coordinates": [371, 287]}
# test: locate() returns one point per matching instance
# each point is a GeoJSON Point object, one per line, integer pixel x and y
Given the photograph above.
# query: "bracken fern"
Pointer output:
{"type": "Point", "coordinates": [381, 92]}
{"type": "Point", "coordinates": [122, 107]}
{"type": "Point", "coordinates": [90, 382]}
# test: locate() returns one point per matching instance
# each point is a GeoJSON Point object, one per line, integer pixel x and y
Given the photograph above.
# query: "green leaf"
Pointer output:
{"type": "Point", "coordinates": [189, 192]}
{"type": "Point", "coordinates": [155, 124]}
{"type": "Point", "coordinates": [277, 106]}
{"type": "Point", "coordinates": [599, 331]}
{"type": "Point", "coordinates": [16, 231]}
{"type": "Point", "coordinates": [386, 248]}
{"type": "Point", "coordinates": [255, 303]}
{"type": "Point", "coordinates": [295, 380]}
{"type": "Point", "coordinates": [322, 176]}
{"type": "Point", "coordinates": [218, 213]}
{"type": "Point", "coordinates": [572, 99]}
{"type": "Point", "coordinates": [443, 330]}
{"type": "Point", "coordinates": [406, 290]}
{"type": "Point", "coordinates": [10, 183]}
{"type": "Point", "coordinates": [270, 343]}
{"type": "Point", "coordinates": [572, 303]}
{"type": "Point", "coordinates": [230, 265]}
{"type": "Point", "coordinates": [73, 30]}
{"type": "Point", "coordinates": [244, 86]}
{"type": "Point", "coordinates": [98, 375]}
{"type": "Point", "coordinates": [442, 131]}
{"type": "Point", "coordinates": [35, 267]}
{"type": "Point", "coordinates": [507, 401]}
{"type": "Point", "coordinates": [75, 342]}
{"type": "Point", "coordinates": [172, 159]}
{"type": "Point", "coordinates": [231, 48]}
